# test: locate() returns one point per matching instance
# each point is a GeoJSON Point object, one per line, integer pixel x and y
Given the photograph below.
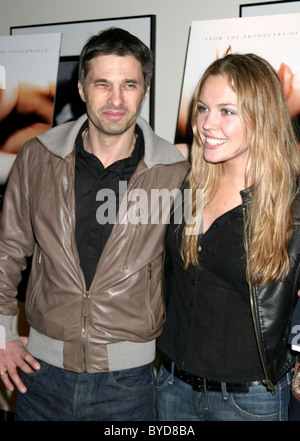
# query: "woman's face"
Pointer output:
{"type": "Point", "coordinates": [220, 125]}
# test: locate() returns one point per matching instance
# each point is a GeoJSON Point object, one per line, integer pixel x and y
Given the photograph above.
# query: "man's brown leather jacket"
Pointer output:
{"type": "Point", "coordinates": [113, 325]}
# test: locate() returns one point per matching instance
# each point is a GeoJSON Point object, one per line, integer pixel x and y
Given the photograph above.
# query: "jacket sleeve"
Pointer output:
{"type": "Point", "coordinates": [16, 238]}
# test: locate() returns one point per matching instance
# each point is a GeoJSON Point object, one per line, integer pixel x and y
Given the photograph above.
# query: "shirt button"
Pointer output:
{"type": "Point", "coordinates": [193, 282]}
{"type": "Point", "coordinates": [216, 225]}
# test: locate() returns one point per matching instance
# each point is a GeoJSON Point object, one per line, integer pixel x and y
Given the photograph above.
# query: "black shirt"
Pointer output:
{"type": "Point", "coordinates": [91, 177]}
{"type": "Point", "coordinates": [209, 329]}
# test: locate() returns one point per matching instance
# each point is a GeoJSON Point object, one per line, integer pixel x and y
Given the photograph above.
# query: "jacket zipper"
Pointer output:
{"type": "Point", "coordinates": [149, 276]}
{"type": "Point", "coordinates": [85, 313]}
{"type": "Point", "coordinates": [267, 382]}
{"type": "Point", "coordinates": [85, 310]}
{"type": "Point", "coordinates": [86, 294]}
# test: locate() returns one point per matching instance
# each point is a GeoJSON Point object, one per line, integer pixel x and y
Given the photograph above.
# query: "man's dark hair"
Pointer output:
{"type": "Point", "coordinates": [119, 42]}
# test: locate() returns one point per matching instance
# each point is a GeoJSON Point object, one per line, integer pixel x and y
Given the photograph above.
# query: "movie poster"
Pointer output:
{"type": "Point", "coordinates": [275, 38]}
{"type": "Point", "coordinates": [28, 75]}
{"type": "Point", "coordinates": [68, 104]}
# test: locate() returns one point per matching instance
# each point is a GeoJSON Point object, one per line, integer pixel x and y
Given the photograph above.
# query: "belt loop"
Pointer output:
{"type": "Point", "coordinates": [172, 367]}
{"type": "Point", "coordinates": [204, 386]}
{"type": "Point", "coordinates": [224, 391]}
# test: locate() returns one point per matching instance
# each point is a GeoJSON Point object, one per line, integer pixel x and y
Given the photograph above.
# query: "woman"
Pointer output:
{"type": "Point", "coordinates": [230, 291]}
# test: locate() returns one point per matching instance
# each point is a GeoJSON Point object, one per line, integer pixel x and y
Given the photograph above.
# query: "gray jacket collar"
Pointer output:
{"type": "Point", "coordinates": [61, 140]}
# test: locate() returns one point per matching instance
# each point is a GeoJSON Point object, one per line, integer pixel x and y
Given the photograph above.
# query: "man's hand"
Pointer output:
{"type": "Point", "coordinates": [14, 356]}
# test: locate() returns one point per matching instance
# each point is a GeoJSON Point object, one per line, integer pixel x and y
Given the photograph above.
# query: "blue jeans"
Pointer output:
{"type": "Point", "coordinates": [177, 401]}
{"type": "Point", "coordinates": [294, 409]}
{"type": "Point", "coordinates": [56, 394]}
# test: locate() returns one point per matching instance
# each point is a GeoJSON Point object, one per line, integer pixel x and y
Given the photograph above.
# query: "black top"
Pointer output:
{"type": "Point", "coordinates": [91, 177]}
{"type": "Point", "coordinates": [209, 329]}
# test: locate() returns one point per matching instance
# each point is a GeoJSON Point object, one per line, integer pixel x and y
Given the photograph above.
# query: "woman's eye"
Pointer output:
{"type": "Point", "coordinates": [201, 108]}
{"type": "Point", "coordinates": [227, 112]}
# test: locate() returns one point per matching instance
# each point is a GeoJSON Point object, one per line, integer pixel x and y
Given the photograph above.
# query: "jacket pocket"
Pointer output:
{"type": "Point", "coordinates": [38, 279]}
{"type": "Point", "coordinates": [153, 295]}
{"type": "Point", "coordinates": [132, 240]}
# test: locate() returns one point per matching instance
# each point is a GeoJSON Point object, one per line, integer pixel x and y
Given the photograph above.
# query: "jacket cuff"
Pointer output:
{"type": "Point", "coordinates": [6, 330]}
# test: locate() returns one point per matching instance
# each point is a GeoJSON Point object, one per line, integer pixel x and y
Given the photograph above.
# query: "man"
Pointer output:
{"type": "Point", "coordinates": [93, 300]}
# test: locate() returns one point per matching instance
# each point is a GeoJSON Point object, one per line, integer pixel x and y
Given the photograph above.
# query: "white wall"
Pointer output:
{"type": "Point", "coordinates": [173, 20]}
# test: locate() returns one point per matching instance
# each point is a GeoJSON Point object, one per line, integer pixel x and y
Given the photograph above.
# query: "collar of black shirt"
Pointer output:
{"type": "Point", "coordinates": [134, 158]}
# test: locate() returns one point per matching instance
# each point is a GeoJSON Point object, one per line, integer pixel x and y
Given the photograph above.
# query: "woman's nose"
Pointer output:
{"type": "Point", "coordinates": [210, 121]}
{"type": "Point", "coordinates": [207, 121]}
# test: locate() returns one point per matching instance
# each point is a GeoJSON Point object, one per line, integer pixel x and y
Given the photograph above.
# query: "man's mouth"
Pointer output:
{"type": "Point", "coordinates": [114, 115]}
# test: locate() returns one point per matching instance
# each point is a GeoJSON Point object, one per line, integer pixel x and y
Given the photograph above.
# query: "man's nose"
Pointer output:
{"type": "Point", "coordinates": [115, 97]}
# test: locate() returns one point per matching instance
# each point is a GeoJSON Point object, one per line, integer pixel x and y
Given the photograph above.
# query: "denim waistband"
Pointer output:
{"type": "Point", "coordinates": [201, 384]}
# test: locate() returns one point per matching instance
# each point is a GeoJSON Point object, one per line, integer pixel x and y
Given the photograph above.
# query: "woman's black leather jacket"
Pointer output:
{"type": "Point", "coordinates": [272, 307]}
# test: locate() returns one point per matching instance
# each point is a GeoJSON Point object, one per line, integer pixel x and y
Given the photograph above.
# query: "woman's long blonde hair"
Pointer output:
{"type": "Point", "coordinates": [273, 165]}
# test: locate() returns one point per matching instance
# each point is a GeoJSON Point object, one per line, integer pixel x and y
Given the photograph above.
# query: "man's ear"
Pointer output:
{"type": "Point", "coordinates": [146, 94]}
{"type": "Point", "coordinates": [81, 91]}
